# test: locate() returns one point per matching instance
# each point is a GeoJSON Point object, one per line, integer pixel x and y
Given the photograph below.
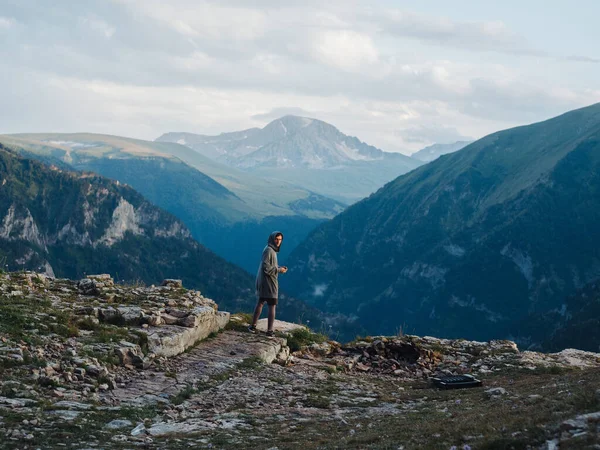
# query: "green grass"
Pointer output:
{"type": "Point", "coordinates": [303, 337]}
{"type": "Point", "coordinates": [183, 395]}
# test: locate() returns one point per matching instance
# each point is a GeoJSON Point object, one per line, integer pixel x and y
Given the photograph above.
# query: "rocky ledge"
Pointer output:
{"type": "Point", "coordinates": [94, 364]}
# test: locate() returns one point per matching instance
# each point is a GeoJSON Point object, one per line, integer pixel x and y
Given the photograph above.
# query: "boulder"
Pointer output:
{"type": "Point", "coordinates": [130, 354]}
{"type": "Point", "coordinates": [88, 287]}
{"type": "Point", "coordinates": [171, 340]}
{"type": "Point", "coordinates": [172, 283]}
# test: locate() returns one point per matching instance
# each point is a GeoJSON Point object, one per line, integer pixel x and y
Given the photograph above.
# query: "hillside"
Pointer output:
{"type": "Point", "coordinates": [69, 224]}
{"type": "Point", "coordinates": [475, 244]}
{"type": "Point", "coordinates": [577, 323]}
{"type": "Point", "coordinates": [306, 152]}
{"type": "Point", "coordinates": [98, 364]}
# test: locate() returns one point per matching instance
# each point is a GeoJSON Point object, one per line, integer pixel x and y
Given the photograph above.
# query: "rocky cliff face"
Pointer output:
{"type": "Point", "coordinates": [42, 208]}
{"type": "Point", "coordinates": [101, 364]}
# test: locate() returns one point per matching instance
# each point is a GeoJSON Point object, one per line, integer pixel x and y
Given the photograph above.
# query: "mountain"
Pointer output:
{"type": "Point", "coordinates": [214, 147]}
{"type": "Point", "coordinates": [434, 151]}
{"type": "Point", "coordinates": [298, 142]}
{"type": "Point", "coordinates": [306, 152]}
{"type": "Point", "coordinates": [288, 142]}
{"type": "Point", "coordinates": [67, 224]}
{"type": "Point", "coordinates": [479, 243]}
{"type": "Point", "coordinates": [222, 207]}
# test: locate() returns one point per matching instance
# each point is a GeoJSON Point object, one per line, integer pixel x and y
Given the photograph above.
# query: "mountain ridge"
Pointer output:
{"type": "Point", "coordinates": [309, 153]}
{"type": "Point", "coordinates": [434, 151]}
{"type": "Point", "coordinates": [448, 230]}
{"type": "Point", "coordinates": [310, 136]}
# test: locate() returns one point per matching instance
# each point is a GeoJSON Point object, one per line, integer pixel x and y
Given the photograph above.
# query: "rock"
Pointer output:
{"type": "Point", "coordinates": [172, 283]}
{"type": "Point", "coordinates": [72, 405]}
{"type": "Point", "coordinates": [111, 315]}
{"type": "Point", "coordinates": [171, 340]}
{"type": "Point", "coordinates": [130, 355]}
{"type": "Point", "coordinates": [65, 414]}
{"type": "Point", "coordinates": [45, 381]}
{"type": "Point", "coordinates": [362, 367]}
{"type": "Point", "coordinates": [155, 319]}
{"type": "Point", "coordinates": [495, 392]}
{"type": "Point", "coordinates": [190, 426]}
{"type": "Point", "coordinates": [93, 370]}
{"type": "Point", "coordinates": [104, 278]}
{"type": "Point", "coordinates": [118, 423]}
{"type": "Point", "coordinates": [139, 429]}
{"type": "Point", "coordinates": [17, 402]}
{"type": "Point", "coordinates": [169, 319]}
{"type": "Point", "coordinates": [190, 321]}
{"type": "Point", "coordinates": [279, 325]}
{"type": "Point", "coordinates": [322, 349]}
{"type": "Point", "coordinates": [131, 315]}
{"type": "Point", "coordinates": [88, 287]}
{"type": "Point", "coordinates": [178, 313]}
{"type": "Point", "coordinates": [283, 357]}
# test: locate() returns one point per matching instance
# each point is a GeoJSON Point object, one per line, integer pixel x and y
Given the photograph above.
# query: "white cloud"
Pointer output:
{"type": "Point", "coordinates": [203, 19]}
{"type": "Point", "coordinates": [397, 80]}
{"type": "Point", "coordinates": [481, 36]}
{"type": "Point", "coordinates": [345, 49]}
{"type": "Point", "coordinates": [7, 22]}
{"type": "Point", "coordinates": [97, 25]}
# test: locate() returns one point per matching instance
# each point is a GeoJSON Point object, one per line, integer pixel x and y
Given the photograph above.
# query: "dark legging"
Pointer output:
{"type": "Point", "coordinates": [258, 311]}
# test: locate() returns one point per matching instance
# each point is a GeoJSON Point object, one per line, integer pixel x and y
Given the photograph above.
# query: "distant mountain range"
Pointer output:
{"type": "Point", "coordinates": [481, 243]}
{"type": "Point", "coordinates": [229, 211]}
{"type": "Point", "coordinates": [69, 224]}
{"type": "Point", "coordinates": [434, 151]}
{"type": "Point", "coordinates": [306, 152]}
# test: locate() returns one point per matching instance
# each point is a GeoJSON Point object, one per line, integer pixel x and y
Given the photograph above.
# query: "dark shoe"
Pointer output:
{"type": "Point", "coordinates": [270, 333]}
{"type": "Point", "coordinates": [252, 329]}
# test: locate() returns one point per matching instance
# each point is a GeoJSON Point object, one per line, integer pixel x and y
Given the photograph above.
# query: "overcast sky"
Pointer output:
{"type": "Point", "coordinates": [399, 75]}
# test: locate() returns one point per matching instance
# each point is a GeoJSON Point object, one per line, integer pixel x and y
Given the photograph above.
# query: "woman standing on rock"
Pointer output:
{"type": "Point", "coordinates": [267, 286]}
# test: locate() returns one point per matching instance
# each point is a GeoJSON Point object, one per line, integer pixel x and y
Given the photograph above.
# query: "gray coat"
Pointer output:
{"type": "Point", "coordinates": [267, 285]}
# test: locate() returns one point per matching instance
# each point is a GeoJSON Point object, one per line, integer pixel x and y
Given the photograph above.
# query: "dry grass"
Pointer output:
{"type": "Point", "coordinates": [427, 418]}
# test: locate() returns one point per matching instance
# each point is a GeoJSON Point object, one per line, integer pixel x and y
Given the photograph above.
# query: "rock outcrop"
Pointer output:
{"type": "Point", "coordinates": [106, 365]}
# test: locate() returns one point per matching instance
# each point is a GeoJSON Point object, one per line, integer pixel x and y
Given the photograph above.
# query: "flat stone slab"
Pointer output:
{"type": "Point", "coordinates": [567, 358]}
{"type": "Point", "coordinates": [171, 340]}
{"type": "Point", "coordinates": [211, 357]}
{"type": "Point", "coordinates": [279, 325]}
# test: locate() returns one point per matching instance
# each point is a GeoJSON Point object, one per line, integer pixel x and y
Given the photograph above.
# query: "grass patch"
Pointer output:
{"type": "Point", "coordinates": [302, 337]}
{"type": "Point", "coordinates": [184, 394]}
{"type": "Point", "coordinates": [251, 363]}
{"type": "Point", "coordinates": [239, 322]}
{"type": "Point", "coordinates": [317, 401]}
{"type": "Point", "coordinates": [18, 319]}
{"type": "Point", "coordinates": [319, 395]}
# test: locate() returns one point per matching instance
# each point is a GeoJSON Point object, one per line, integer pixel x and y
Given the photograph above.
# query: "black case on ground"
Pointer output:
{"type": "Point", "coordinates": [456, 382]}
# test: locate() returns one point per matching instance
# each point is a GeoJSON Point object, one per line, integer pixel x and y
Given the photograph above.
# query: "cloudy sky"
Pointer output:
{"type": "Point", "coordinates": [397, 74]}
